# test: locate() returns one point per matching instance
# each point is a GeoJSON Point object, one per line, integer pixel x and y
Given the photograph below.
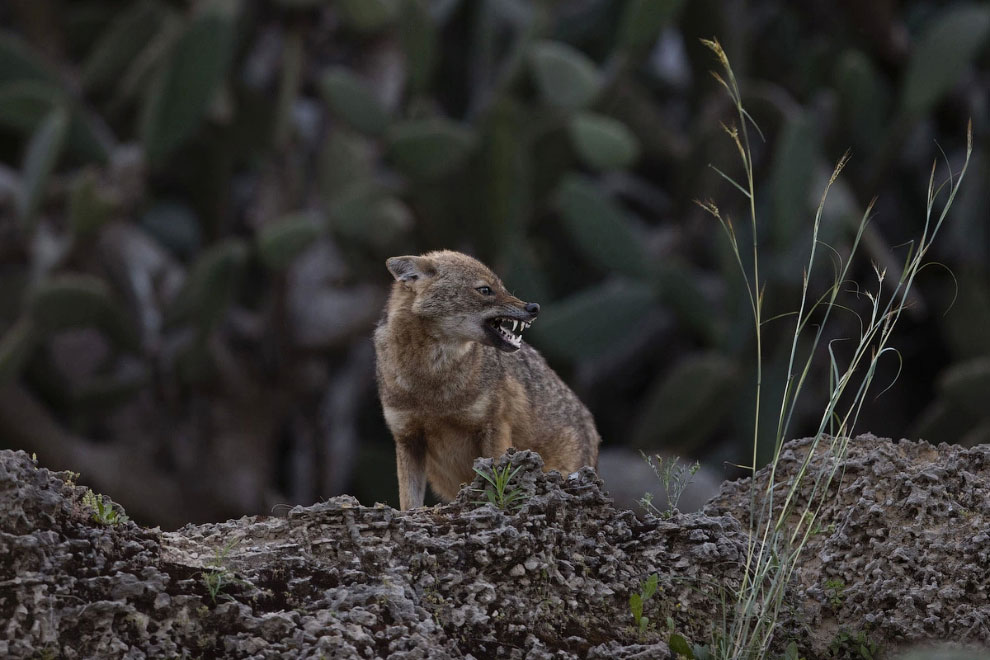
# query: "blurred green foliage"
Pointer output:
{"type": "Point", "coordinates": [213, 187]}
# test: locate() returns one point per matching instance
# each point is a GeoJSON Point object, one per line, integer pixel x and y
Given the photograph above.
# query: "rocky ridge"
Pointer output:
{"type": "Point", "coordinates": [905, 534]}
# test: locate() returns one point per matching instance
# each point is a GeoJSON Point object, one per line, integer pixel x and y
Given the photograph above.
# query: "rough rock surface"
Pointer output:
{"type": "Point", "coordinates": [903, 549]}
{"type": "Point", "coordinates": [549, 580]}
{"type": "Point", "coordinates": [906, 534]}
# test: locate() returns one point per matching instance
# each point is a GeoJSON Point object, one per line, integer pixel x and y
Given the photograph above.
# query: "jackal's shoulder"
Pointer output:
{"type": "Point", "coordinates": [549, 395]}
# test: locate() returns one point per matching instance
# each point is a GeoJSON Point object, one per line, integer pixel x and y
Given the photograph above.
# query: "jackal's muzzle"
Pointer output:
{"type": "Point", "coordinates": [506, 331]}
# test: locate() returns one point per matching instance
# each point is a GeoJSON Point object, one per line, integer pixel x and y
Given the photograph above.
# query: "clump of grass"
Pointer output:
{"type": "Point", "coordinates": [674, 476]}
{"type": "Point", "coordinates": [498, 492]}
{"type": "Point", "coordinates": [216, 580]}
{"type": "Point", "coordinates": [103, 510]}
{"type": "Point", "coordinates": [218, 576]}
{"type": "Point", "coordinates": [775, 543]}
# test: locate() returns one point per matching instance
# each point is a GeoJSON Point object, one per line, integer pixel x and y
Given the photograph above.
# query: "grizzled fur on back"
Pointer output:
{"type": "Point", "coordinates": [456, 381]}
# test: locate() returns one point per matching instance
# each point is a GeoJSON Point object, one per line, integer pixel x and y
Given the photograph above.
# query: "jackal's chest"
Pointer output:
{"type": "Point", "coordinates": [437, 387]}
{"type": "Point", "coordinates": [434, 418]}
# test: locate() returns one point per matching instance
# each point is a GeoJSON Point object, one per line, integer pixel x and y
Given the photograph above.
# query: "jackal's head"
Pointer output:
{"type": "Point", "coordinates": [458, 298]}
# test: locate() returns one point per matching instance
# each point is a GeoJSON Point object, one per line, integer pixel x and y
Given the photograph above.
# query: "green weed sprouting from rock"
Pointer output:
{"type": "Point", "coordinates": [215, 580]}
{"type": "Point", "coordinates": [498, 493]}
{"type": "Point", "coordinates": [681, 648]}
{"type": "Point", "coordinates": [775, 543]}
{"type": "Point", "coordinates": [835, 592]}
{"type": "Point", "coordinates": [675, 478]}
{"type": "Point", "coordinates": [103, 510]}
{"type": "Point", "coordinates": [47, 653]}
{"type": "Point", "coordinates": [849, 646]}
{"type": "Point", "coordinates": [638, 600]}
{"type": "Point", "coordinates": [217, 576]}
{"type": "Point", "coordinates": [791, 652]}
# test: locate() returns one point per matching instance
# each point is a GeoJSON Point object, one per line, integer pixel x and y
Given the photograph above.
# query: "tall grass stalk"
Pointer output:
{"type": "Point", "coordinates": [778, 526]}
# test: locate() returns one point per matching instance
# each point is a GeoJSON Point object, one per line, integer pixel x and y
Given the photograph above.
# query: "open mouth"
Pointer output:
{"type": "Point", "coordinates": [506, 332]}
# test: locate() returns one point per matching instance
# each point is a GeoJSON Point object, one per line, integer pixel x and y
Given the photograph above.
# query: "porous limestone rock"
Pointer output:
{"type": "Point", "coordinates": [901, 551]}
{"type": "Point", "coordinates": [905, 532]}
{"type": "Point", "coordinates": [551, 579]}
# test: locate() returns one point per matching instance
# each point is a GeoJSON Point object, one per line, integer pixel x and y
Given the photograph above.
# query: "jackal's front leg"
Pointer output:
{"type": "Point", "coordinates": [410, 461]}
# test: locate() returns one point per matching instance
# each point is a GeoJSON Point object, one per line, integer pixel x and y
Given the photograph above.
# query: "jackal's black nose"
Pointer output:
{"type": "Point", "coordinates": [533, 308]}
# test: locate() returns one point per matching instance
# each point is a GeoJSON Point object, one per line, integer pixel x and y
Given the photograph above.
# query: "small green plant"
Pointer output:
{"type": "Point", "coordinates": [215, 580]}
{"type": "Point", "coordinates": [820, 529]}
{"type": "Point", "coordinates": [498, 493]}
{"type": "Point", "coordinates": [103, 510]}
{"type": "Point", "coordinates": [847, 646]}
{"type": "Point", "coordinates": [681, 648]}
{"type": "Point", "coordinates": [637, 601]}
{"type": "Point", "coordinates": [675, 478]}
{"type": "Point", "coordinates": [47, 653]}
{"type": "Point", "coordinates": [218, 576]}
{"type": "Point", "coordinates": [835, 592]}
{"type": "Point", "coordinates": [791, 652]}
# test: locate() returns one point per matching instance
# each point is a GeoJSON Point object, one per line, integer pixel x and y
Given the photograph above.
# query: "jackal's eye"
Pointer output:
{"type": "Point", "coordinates": [485, 290]}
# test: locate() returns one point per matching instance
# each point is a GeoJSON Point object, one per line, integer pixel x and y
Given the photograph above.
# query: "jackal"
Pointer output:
{"type": "Point", "coordinates": [457, 382]}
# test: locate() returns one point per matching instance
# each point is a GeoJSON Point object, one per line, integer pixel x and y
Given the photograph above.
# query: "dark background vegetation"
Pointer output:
{"type": "Point", "coordinates": [197, 198]}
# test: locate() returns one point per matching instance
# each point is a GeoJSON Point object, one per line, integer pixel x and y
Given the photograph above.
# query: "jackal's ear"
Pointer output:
{"type": "Point", "coordinates": [409, 268]}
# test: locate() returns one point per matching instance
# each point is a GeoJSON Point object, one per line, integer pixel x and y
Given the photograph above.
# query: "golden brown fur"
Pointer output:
{"type": "Point", "coordinates": [452, 390]}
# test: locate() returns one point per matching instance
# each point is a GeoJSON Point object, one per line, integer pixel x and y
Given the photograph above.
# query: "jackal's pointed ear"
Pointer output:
{"type": "Point", "coordinates": [409, 268]}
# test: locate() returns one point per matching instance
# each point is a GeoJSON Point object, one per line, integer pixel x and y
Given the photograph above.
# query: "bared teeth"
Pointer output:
{"type": "Point", "coordinates": [513, 336]}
